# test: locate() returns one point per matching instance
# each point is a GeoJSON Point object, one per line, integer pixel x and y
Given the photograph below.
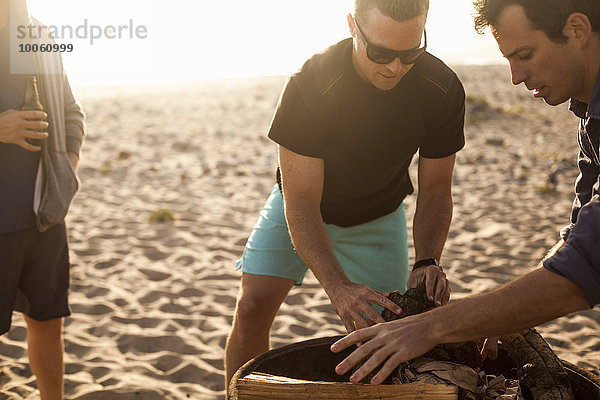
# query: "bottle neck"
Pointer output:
{"type": "Point", "coordinates": [32, 96]}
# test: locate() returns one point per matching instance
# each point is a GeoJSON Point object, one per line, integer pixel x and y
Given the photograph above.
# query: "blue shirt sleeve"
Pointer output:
{"type": "Point", "coordinates": [584, 186]}
{"type": "Point", "coordinates": [579, 258]}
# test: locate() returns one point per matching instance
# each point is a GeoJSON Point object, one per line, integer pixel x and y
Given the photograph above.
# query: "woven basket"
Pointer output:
{"type": "Point", "coordinates": [305, 370]}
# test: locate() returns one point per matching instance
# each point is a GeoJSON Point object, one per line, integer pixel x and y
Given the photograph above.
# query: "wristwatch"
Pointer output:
{"type": "Point", "coordinates": [427, 262]}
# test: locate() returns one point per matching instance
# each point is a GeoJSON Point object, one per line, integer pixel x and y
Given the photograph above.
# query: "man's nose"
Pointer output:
{"type": "Point", "coordinates": [395, 66]}
{"type": "Point", "coordinates": [518, 74]}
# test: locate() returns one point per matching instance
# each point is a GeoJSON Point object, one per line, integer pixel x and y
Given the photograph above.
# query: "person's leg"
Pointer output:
{"type": "Point", "coordinates": [270, 267]}
{"type": "Point", "coordinates": [45, 350]}
{"type": "Point", "coordinates": [43, 299]}
{"type": "Point", "coordinates": [13, 248]}
{"type": "Point", "coordinates": [258, 301]}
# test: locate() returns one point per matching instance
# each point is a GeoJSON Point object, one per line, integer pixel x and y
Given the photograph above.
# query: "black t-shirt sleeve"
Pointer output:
{"type": "Point", "coordinates": [295, 125]}
{"type": "Point", "coordinates": [445, 127]}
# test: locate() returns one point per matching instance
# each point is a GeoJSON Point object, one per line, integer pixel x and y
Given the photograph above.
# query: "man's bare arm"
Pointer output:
{"type": "Point", "coordinates": [302, 181]}
{"type": "Point", "coordinates": [535, 298]}
{"type": "Point", "coordinates": [431, 224]}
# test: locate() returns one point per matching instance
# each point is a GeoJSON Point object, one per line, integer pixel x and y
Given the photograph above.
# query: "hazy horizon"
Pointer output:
{"type": "Point", "coordinates": [188, 40]}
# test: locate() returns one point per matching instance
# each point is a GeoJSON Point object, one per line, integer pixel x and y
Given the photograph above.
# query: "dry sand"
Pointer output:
{"type": "Point", "coordinates": [152, 303]}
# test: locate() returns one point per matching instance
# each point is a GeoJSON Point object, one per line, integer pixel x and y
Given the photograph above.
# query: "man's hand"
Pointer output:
{"type": "Point", "coordinates": [390, 344]}
{"type": "Point", "coordinates": [352, 302]}
{"type": "Point", "coordinates": [531, 300]}
{"type": "Point", "coordinates": [488, 348]}
{"type": "Point", "coordinates": [16, 126]}
{"type": "Point", "coordinates": [433, 281]}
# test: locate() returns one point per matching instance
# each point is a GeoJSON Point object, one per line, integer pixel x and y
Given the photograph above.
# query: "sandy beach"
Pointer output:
{"type": "Point", "coordinates": [152, 302]}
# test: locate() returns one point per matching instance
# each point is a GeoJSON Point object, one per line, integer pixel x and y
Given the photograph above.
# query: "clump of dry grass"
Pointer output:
{"type": "Point", "coordinates": [162, 215]}
{"type": "Point", "coordinates": [546, 188]}
{"type": "Point", "coordinates": [105, 168]}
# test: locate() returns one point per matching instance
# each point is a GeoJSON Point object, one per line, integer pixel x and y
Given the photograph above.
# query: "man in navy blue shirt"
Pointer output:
{"type": "Point", "coordinates": [553, 47]}
{"type": "Point", "coordinates": [37, 183]}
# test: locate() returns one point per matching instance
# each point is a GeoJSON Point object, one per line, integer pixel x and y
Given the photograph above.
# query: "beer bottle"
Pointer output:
{"type": "Point", "coordinates": [32, 102]}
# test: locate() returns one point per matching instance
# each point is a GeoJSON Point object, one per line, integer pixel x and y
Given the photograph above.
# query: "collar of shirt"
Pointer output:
{"type": "Point", "coordinates": [584, 110]}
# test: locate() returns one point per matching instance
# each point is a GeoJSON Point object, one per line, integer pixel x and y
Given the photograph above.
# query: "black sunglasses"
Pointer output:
{"type": "Point", "coordinates": [381, 55]}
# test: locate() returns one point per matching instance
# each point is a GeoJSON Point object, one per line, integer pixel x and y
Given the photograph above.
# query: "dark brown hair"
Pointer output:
{"type": "Point", "coordinates": [549, 16]}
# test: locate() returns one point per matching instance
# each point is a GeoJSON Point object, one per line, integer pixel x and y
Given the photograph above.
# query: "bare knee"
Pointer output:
{"type": "Point", "coordinates": [254, 313]}
{"type": "Point", "coordinates": [258, 303]}
{"type": "Point", "coordinates": [48, 331]}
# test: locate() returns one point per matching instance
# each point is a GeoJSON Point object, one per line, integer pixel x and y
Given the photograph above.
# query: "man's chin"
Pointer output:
{"type": "Point", "coordinates": [386, 84]}
{"type": "Point", "coordinates": [551, 101]}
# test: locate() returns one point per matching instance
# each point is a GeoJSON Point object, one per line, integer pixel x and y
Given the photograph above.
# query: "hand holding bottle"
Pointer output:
{"type": "Point", "coordinates": [18, 126]}
{"type": "Point", "coordinates": [31, 102]}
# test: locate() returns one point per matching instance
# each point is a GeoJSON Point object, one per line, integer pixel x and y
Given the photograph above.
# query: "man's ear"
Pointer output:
{"type": "Point", "coordinates": [579, 28]}
{"type": "Point", "coordinates": [350, 24]}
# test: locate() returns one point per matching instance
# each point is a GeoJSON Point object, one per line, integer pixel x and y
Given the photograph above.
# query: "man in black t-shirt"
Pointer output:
{"type": "Point", "coordinates": [348, 125]}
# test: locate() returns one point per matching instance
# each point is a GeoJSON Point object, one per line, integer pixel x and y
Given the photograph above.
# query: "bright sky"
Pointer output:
{"type": "Point", "coordinates": [209, 39]}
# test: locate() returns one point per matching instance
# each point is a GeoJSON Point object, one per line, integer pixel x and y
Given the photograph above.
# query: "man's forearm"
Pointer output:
{"type": "Point", "coordinates": [431, 224]}
{"type": "Point", "coordinates": [312, 242]}
{"type": "Point", "coordinates": [533, 299]}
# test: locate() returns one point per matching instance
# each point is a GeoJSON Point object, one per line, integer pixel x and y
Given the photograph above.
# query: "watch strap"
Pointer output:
{"type": "Point", "coordinates": [427, 262]}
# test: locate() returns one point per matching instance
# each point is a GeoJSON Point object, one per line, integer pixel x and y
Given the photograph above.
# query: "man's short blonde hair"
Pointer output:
{"type": "Point", "coordinates": [400, 10]}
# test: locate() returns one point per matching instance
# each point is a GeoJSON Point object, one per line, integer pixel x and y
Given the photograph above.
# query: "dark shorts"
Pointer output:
{"type": "Point", "coordinates": [34, 274]}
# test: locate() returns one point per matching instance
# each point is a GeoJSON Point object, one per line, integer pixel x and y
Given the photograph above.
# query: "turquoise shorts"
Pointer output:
{"type": "Point", "coordinates": [374, 254]}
